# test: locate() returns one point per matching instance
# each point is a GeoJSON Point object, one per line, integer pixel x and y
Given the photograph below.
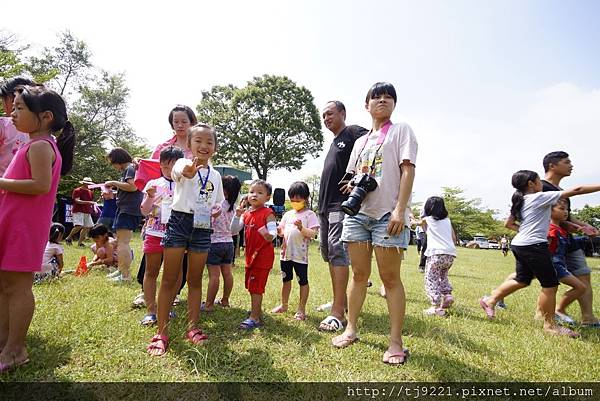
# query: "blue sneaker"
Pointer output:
{"type": "Point", "coordinates": [501, 304]}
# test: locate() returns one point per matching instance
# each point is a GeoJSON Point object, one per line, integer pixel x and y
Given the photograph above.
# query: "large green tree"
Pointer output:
{"type": "Point", "coordinates": [271, 123]}
{"type": "Point", "coordinates": [99, 115]}
{"type": "Point", "coordinates": [69, 62]}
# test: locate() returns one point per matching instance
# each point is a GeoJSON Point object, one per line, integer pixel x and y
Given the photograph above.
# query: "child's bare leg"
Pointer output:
{"type": "Point", "coordinates": [17, 289]}
{"type": "Point", "coordinates": [227, 283]}
{"type": "Point", "coordinates": [286, 289]}
{"type": "Point", "coordinates": [547, 304]}
{"type": "Point", "coordinates": [3, 315]}
{"type": "Point", "coordinates": [168, 286]}
{"type": "Point", "coordinates": [153, 262]}
{"type": "Point", "coordinates": [256, 306]}
{"type": "Point", "coordinates": [504, 290]}
{"type": "Point", "coordinates": [214, 278]}
{"type": "Point", "coordinates": [304, 290]}
{"type": "Point", "coordinates": [196, 262]}
{"type": "Point", "coordinates": [577, 289]}
{"type": "Point", "coordinates": [124, 252]}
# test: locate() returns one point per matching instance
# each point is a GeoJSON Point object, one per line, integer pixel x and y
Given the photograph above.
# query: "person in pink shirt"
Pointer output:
{"type": "Point", "coordinates": [10, 138]}
{"type": "Point", "coordinates": [180, 118]}
{"type": "Point", "coordinates": [27, 195]}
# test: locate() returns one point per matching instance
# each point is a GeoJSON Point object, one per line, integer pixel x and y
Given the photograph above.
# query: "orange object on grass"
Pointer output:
{"type": "Point", "coordinates": [82, 267]}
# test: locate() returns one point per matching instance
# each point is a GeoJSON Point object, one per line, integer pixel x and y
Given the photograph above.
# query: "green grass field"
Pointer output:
{"type": "Point", "coordinates": [84, 329]}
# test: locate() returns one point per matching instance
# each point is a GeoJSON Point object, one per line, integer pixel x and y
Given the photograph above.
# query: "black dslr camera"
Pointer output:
{"type": "Point", "coordinates": [363, 184]}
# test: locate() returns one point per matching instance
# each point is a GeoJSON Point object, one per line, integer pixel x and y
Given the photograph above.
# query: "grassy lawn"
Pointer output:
{"type": "Point", "coordinates": [84, 329]}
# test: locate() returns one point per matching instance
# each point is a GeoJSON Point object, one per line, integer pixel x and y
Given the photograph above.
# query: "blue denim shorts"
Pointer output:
{"type": "Point", "coordinates": [362, 228]}
{"type": "Point", "coordinates": [182, 234]}
{"type": "Point", "coordinates": [124, 221]}
{"type": "Point", "coordinates": [220, 253]}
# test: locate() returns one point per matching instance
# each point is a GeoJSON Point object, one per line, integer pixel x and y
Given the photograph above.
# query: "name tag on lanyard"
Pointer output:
{"type": "Point", "coordinates": [202, 215]}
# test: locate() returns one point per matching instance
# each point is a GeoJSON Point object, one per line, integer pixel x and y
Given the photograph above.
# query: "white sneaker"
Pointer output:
{"type": "Point", "coordinates": [113, 274]}
{"type": "Point", "coordinates": [325, 307]}
{"type": "Point", "coordinates": [139, 301]}
{"type": "Point", "coordinates": [120, 279]}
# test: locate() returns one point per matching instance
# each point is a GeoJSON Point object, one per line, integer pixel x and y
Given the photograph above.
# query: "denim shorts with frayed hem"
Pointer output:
{"type": "Point", "coordinates": [182, 234]}
{"type": "Point", "coordinates": [362, 228]}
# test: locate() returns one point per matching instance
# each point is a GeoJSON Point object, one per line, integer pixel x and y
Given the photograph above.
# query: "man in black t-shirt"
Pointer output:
{"type": "Point", "coordinates": [557, 166]}
{"type": "Point", "coordinates": [331, 216]}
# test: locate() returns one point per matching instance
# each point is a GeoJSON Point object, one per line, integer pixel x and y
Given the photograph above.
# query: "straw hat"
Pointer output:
{"type": "Point", "coordinates": [87, 181]}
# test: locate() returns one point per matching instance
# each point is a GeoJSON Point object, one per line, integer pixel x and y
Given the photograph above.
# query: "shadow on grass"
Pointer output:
{"type": "Point", "coordinates": [454, 369]}
{"type": "Point", "coordinates": [45, 358]}
{"type": "Point", "coordinates": [426, 327]}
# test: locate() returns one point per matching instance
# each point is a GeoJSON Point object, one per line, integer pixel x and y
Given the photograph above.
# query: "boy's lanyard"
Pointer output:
{"type": "Point", "coordinates": [203, 184]}
{"type": "Point", "coordinates": [382, 135]}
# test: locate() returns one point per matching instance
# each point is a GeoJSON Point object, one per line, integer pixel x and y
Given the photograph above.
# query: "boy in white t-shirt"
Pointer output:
{"type": "Point", "coordinates": [297, 227]}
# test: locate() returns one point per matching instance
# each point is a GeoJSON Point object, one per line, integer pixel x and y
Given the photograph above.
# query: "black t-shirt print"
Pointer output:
{"type": "Point", "coordinates": [335, 165]}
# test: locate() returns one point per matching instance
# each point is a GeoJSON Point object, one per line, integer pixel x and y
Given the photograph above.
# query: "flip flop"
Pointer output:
{"type": "Point", "coordinates": [148, 320]}
{"type": "Point", "coordinates": [563, 331]}
{"type": "Point", "coordinates": [221, 304]}
{"type": "Point", "coordinates": [563, 318]}
{"type": "Point", "coordinates": [6, 367]}
{"type": "Point", "coordinates": [300, 316]}
{"type": "Point", "coordinates": [250, 324]}
{"type": "Point", "coordinates": [279, 309]}
{"type": "Point", "coordinates": [158, 342]}
{"type": "Point", "coordinates": [331, 324]}
{"type": "Point", "coordinates": [403, 355]}
{"type": "Point", "coordinates": [344, 342]}
{"type": "Point", "coordinates": [196, 336]}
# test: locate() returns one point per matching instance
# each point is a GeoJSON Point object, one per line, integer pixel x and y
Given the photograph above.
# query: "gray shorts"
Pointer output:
{"type": "Point", "coordinates": [577, 264]}
{"type": "Point", "coordinates": [333, 250]}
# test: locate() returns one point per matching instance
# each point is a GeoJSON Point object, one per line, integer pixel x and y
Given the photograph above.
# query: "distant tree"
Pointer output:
{"type": "Point", "coordinates": [271, 123]}
{"type": "Point", "coordinates": [313, 182]}
{"type": "Point", "coordinates": [467, 216]}
{"type": "Point", "coordinates": [589, 214]}
{"type": "Point", "coordinates": [68, 63]}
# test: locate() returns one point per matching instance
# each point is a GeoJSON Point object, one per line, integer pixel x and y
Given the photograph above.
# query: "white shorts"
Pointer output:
{"type": "Point", "coordinates": [82, 219]}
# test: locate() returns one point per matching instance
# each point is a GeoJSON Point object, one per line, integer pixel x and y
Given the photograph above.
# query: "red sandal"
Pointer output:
{"type": "Point", "coordinates": [196, 336]}
{"type": "Point", "coordinates": [158, 342]}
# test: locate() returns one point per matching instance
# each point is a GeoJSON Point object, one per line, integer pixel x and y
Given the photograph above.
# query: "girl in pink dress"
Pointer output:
{"type": "Point", "coordinates": [27, 194]}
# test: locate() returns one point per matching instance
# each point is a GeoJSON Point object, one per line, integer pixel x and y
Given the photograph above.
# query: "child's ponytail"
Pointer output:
{"type": "Point", "coordinates": [519, 182]}
{"type": "Point", "coordinates": [39, 99]}
{"type": "Point", "coordinates": [66, 145]}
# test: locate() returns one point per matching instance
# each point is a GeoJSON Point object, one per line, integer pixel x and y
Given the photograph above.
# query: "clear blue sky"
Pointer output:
{"type": "Point", "coordinates": [488, 87]}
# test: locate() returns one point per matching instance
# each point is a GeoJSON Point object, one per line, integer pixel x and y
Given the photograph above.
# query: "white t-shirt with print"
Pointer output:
{"type": "Point", "coordinates": [187, 190]}
{"type": "Point", "coordinates": [295, 245]}
{"type": "Point", "coordinates": [400, 144]}
{"type": "Point", "coordinates": [164, 189]}
{"type": "Point", "coordinates": [535, 218]}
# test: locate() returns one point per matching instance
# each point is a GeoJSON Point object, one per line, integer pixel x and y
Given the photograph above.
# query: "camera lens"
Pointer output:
{"type": "Point", "coordinates": [352, 205]}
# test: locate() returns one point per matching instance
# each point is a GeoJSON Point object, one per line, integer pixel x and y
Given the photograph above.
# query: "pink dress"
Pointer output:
{"type": "Point", "coordinates": [25, 219]}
